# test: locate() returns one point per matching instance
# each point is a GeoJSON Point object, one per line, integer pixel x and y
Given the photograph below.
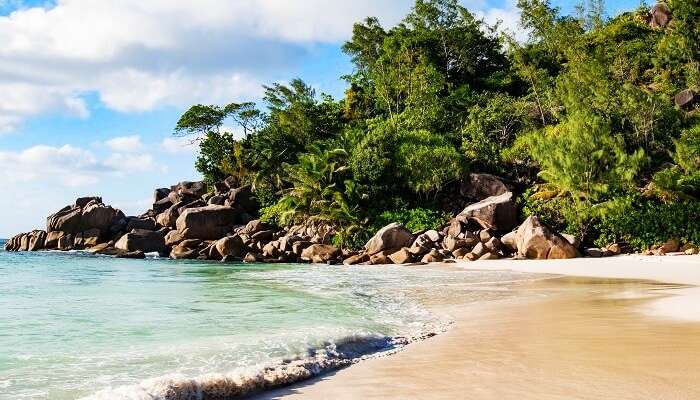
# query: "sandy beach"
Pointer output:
{"type": "Point", "coordinates": [619, 328]}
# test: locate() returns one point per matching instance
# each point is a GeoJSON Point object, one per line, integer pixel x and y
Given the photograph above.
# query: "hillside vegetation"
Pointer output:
{"type": "Point", "coordinates": [594, 120]}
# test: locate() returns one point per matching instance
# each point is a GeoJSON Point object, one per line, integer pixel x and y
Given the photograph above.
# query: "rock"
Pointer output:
{"type": "Point", "coordinates": [169, 216]}
{"type": "Point", "coordinates": [356, 259]}
{"type": "Point", "coordinates": [243, 199]}
{"type": "Point", "coordinates": [479, 250]}
{"type": "Point", "coordinates": [191, 243]}
{"type": "Point", "coordinates": [485, 235]}
{"type": "Point", "coordinates": [218, 200]}
{"type": "Point", "coordinates": [660, 15]}
{"type": "Point", "coordinates": [433, 235]}
{"type": "Point", "coordinates": [37, 239]}
{"type": "Point", "coordinates": [270, 250]}
{"type": "Point", "coordinates": [493, 245]}
{"type": "Point", "coordinates": [139, 255]}
{"type": "Point", "coordinates": [190, 189]}
{"type": "Point", "coordinates": [471, 257]}
{"type": "Point", "coordinates": [536, 240]}
{"type": "Point", "coordinates": [614, 249]}
{"type": "Point", "coordinates": [320, 253]}
{"type": "Point", "coordinates": [432, 257]}
{"type": "Point", "coordinates": [160, 194]}
{"type": "Point", "coordinates": [87, 238]}
{"type": "Point", "coordinates": [393, 236]}
{"type": "Point", "coordinates": [481, 186]}
{"type": "Point", "coordinates": [251, 258]}
{"type": "Point", "coordinates": [300, 246]}
{"type": "Point", "coordinates": [68, 220]}
{"type": "Point", "coordinates": [210, 222]}
{"type": "Point", "coordinates": [232, 246]}
{"type": "Point", "coordinates": [141, 240]}
{"type": "Point", "coordinates": [263, 236]}
{"type": "Point", "coordinates": [496, 212]}
{"type": "Point", "coordinates": [460, 253]}
{"type": "Point", "coordinates": [686, 99]}
{"type": "Point", "coordinates": [97, 249]}
{"type": "Point", "coordinates": [593, 252]}
{"type": "Point", "coordinates": [141, 223]}
{"type": "Point", "coordinates": [173, 238]}
{"type": "Point", "coordinates": [65, 242]}
{"type": "Point", "coordinates": [456, 228]}
{"type": "Point", "coordinates": [180, 252]}
{"type": "Point", "coordinates": [402, 256]}
{"type": "Point", "coordinates": [489, 256]}
{"type": "Point", "coordinates": [573, 240]}
{"type": "Point", "coordinates": [254, 227]}
{"type": "Point", "coordinates": [163, 204]}
{"type": "Point", "coordinates": [82, 202]}
{"type": "Point", "coordinates": [691, 251]}
{"type": "Point", "coordinates": [508, 241]}
{"type": "Point", "coordinates": [452, 243]}
{"type": "Point", "coordinates": [672, 245]}
{"type": "Point", "coordinates": [380, 259]}
{"type": "Point", "coordinates": [99, 216]}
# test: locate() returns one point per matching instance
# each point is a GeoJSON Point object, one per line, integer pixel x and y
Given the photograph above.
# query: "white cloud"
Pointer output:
{"type": "Point", "coordinates": [128, 144]}
{"type": "Point", "coordinates": [178, 145]}
{"type": "Point", "coordinates": [69, 165]}
{"type": "Point", "coordinates": [139, 55]}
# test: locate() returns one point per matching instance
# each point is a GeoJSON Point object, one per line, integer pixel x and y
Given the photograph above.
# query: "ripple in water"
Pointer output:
{"type": "Point", "coordinates": [75, 325]}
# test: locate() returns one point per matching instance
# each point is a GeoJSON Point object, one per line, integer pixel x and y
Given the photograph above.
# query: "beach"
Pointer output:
{"type": "Point", "coordinates": [624, 328]}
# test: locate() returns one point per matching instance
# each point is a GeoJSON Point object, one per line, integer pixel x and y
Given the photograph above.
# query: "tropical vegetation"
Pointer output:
{"type": "Point", "coordinates": [581, 117]}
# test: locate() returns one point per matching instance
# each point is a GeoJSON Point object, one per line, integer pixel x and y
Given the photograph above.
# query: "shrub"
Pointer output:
{"type": "Point", "coordinates": [644, 223]}
{"type": "Point", "coordinates": [417, 219]}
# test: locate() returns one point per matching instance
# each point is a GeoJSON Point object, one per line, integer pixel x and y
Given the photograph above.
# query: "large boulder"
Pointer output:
{"type": "Point", "coordinates": [81, 202]}
{"type": "Point", "coordinates": [141, 240]}
{"type": "Point", "coordinates": [496, 212]}
{"type": "Point", "coordinates": [207, 223]}
{"type": "Point", "coordinates": [393, 236]}
{"type": "Point", "coordinates": [535, 240]}
{"type": "Point", "coordinates": [141, 223]}
{"type": "Point", "coordinates": [68, 220]}
{"type": "Point", "coordinates": [243, 199]}
{"type": "Point", "coordinates": [232, 246]}
{"type": "Point", "coordinates": [99, 216]}
{"type": "Point", "coordinates": [190, 189]}
{"type": "Point", "coordinates": [482, 186]}
{"type": "Point", "coordinates": [169, 216]}
{"type": "Point", "coordinates": [320, 253]}
{"type": "Point", "coordinates": [660, 15]}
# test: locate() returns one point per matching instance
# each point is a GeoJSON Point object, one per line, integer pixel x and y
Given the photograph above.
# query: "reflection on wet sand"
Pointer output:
{"type": "Point", "coordinates": [563, 338]}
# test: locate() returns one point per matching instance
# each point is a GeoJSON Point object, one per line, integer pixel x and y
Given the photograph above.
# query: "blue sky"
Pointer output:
{"type": "Point", "coordinates": [91, 89]}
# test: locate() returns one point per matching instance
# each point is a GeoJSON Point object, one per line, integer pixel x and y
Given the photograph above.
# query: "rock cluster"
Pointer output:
{"type": "Point", "coordinates": [191, 221]}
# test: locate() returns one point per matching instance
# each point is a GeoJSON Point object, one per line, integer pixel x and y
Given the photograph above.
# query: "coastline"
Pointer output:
{"type": "Point", "coordinates": [611, 322]}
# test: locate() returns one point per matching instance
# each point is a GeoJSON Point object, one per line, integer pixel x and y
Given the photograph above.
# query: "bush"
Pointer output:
{"type": "Point", "coordinates": [415, 220]}
{"type": "Point", "coordinates": [644, 223]}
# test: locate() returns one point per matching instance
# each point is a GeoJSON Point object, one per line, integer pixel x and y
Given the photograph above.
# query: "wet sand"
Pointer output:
{"type": "Point", "coordinates": [561, 338]}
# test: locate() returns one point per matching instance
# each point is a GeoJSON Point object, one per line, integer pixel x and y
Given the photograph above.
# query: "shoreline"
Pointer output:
{"type": "Point", "coordinates": [622, 327]}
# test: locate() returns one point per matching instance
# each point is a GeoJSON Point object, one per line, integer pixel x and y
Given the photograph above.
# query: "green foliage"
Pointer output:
{"type": "Point", "coordinates": [582, 115]}
{"type": "Point", "coordinates": [581, 157]}
{"type": "Point", "coordinates": [215, 151]}
{"type": "Point", "coordinates": [415, 220]}
{"type": "Point", "coordinates": [645, 223]}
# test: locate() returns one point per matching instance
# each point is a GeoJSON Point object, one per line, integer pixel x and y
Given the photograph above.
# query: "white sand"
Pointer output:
{"type": "Point", "coordinates": [577, 338]}
{"type": "Point", "coordinates": [682, 304]}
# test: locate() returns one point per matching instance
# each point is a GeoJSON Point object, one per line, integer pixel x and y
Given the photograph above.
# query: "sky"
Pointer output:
{"type": "Point", "coordinates": [90, 90]}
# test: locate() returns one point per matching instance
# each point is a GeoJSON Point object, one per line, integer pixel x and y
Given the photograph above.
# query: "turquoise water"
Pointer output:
{"type": "Point", "coordinates": [73, 324]}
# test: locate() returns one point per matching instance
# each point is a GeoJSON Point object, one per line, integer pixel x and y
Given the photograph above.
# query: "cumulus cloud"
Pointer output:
{"type": "Point", "coordinates": [68, 165]}
{"type": "Point", "coordinates": [138, 55]}
{"type": "Point", "coordinates": [125, 143]}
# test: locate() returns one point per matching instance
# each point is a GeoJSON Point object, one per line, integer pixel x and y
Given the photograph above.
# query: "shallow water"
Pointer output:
{"type": "Point", "coordinates": [73, 324]}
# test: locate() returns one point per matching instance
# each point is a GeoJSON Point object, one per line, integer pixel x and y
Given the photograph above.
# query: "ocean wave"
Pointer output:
{"type": "Point", "coordinates": [241, 383]}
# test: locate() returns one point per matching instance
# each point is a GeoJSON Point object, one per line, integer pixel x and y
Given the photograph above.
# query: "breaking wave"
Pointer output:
{"type": "Point", "coordinates": [242, 383]}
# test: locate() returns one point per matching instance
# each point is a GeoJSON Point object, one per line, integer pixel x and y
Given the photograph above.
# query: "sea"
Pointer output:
{"type": "Point", "coordinates": [75, 325]}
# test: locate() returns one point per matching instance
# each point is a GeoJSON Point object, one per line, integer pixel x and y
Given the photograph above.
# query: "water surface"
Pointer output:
{"type": "Point", "coordinates": [73, 324]}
